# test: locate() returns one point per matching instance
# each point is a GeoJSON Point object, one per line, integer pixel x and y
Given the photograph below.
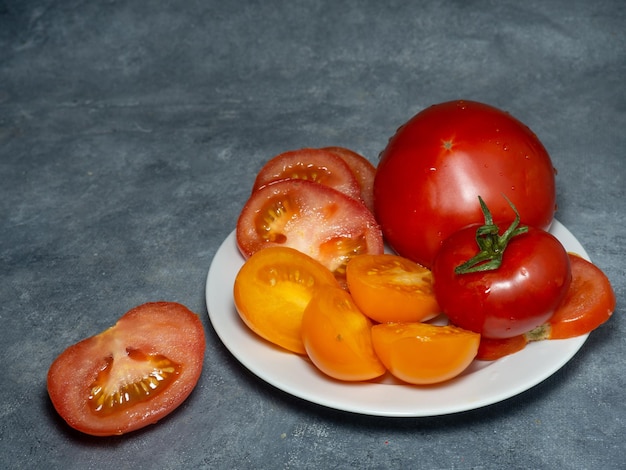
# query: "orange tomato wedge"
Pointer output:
{"type": "Point", "coordinates": [337, 337]}
{"type": "Point", "coordinates": [421, 353]}
{"type": "Point", "coordinates": [390, 288]}
{"type": "Point", "coordinates": [273, 288]}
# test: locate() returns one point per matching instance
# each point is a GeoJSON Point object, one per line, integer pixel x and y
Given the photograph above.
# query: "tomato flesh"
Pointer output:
{"type": "Point", "coordinates": [132, 374]}
{"type": "Point", "coordinates": [337, 337]}
{"type": "Point", "coordinates": [390, 288]}
{"type": "Point", "coordinates": [272, 289]}
{"type": "Point", "coordinates": [312, 218]}
{"type": "Point", "coordinates": [520, 295]}
{"type": "Point", "coordinates": [437, 164]}
{"type": "Point", "coordinates": [316, 165]}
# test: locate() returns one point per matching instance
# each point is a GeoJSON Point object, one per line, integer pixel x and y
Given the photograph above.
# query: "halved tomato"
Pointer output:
{"type": "Point", "coordinates": [337, 337]}
{"type": "Point", "coordinates": [312, 218]}
{"type": "Point", "coordinates": [362, 169]}
{"type": "Point", "coordinates": [310, 164]}
{"type": "Point", "coordinates": [273, 288]}
{"type": "Point", "coordinates": [390, 288]}
{"type": "Point", "coordinates": [132, 374]}
{"type": "Point", "coordinates": [421, 353]}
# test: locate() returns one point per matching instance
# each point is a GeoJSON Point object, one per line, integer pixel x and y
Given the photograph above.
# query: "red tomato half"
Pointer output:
{"type": "Point", "coordinates": [317, 220]}
{"type": "Point", "coordinates": [520, 295]}
{"type": "Point", "coordinates": [441, 160]}
{"type": "Point", "coordinates": [317, 165]}
{"type": "Point", "coordinates": [132, 374]}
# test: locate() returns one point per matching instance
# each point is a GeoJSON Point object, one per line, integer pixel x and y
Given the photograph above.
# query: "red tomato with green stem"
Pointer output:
{"type": "Point", "coordinates": [435, 166]}
{"type": "Point", "coordinates": [498, 281]}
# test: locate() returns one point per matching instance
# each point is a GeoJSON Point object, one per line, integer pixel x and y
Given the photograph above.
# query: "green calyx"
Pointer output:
{"type": "Point", "coordinates": [491, 244]}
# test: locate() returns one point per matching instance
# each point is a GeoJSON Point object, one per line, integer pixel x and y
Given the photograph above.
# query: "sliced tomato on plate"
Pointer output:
{"type": "Point", "coordinates": [272, 289]}
{"type": "Point", "coordinates": [337, 337]}
{"type": "Point", "coordinates": [312, 218]}
{"type": "Point", "coordinates": [310, 164]}
{"type": "Point", "coordinates": [423, 354]}
{"type": "Point", "coordinates": [132, 374]}
{"type": "Point", "coordinates": [391, 288]}
{"type": "Point", "coordinates": [363, 171]}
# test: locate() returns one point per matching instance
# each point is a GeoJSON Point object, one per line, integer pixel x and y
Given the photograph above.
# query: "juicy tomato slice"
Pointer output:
{"type": "Point", "coordinates": [310, 164]}
{"type": "Point", "coordinates": [390, 288]}
{"type": "Point", "coordinates": [312, 218]}
{"type": "Point", "coordinates": [132, 374]}
{"type": "Point", "coordinates": [589, 302]}
{"type": "Point", "coordinates": [421, 353]}
{"type": "Point", "coordinates": [362, 169]}
{"type": "Point", "coordinates": [273, 288]}
{"type": "Point", "coordinates": [337, 337]}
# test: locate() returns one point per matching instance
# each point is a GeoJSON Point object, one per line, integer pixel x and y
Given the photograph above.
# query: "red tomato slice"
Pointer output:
{"type": "Point", "coordinates": [317, 220]}
{"type": "Point", "coordinates": [317, 165]}
{"type": "Point", "coordinates": [589, 302]}
{"type": "Point", "coordinates": [132, 374]}
{"type": "Point", "coordinates": [362, 169]}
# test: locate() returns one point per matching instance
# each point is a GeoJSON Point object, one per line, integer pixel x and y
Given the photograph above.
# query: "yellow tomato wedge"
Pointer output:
{"type": "Point", "coordinates": [337, 337]}
{"type": "Point", "coordinates": [273, 288]}
{"type": "Point", "coordinates": [421, 353]}
{"type": "Point", "coordinates": [390, 288]}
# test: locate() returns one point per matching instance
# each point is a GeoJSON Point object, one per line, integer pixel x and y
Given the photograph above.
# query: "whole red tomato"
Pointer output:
{"type": "Point", "coordinates": [500, 282]}
{"type": "Point", "coordinates": [435, 166]}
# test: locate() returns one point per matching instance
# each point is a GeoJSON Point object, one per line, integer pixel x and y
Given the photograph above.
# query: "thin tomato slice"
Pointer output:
{"type": "Point", "coordinates": [310, 164]}
{"type": "Point", "coordinates": [390, 288]}
{"type": "Point", "coordinates": [312, 218]}
{"type": "Point", "coordinates": [423, 354]}
{"type": "Point", "coordinates": [132, 374]}
{"type": "Point", "coordinates": [273, 288]}
{"type": "Point", "coordinates": [589, 302]}
{"type": "Point", "coordinates": [337, 337]}
{"type": "Point", "coordinates": [362, 169]}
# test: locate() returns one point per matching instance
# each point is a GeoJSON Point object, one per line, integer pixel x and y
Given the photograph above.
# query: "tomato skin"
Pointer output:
{"type": "Point", "coordinates": [337, 337]}
{"type": "Point", "coordinates": [312, 218]}
{"type": "Point", "coordinates": [273, 288]}
{"type": "Point", "coordinates": [438, 163]}
{"type": "Point", "coordinates": [520, 295]}
{"type": "Point", "coordinates": [390, 288]}
{"type": "Point", "coordinates": [158, 329]}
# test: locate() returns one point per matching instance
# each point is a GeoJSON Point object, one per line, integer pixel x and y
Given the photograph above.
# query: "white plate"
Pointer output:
{"type": "Point", "coordinates": [483, 383]}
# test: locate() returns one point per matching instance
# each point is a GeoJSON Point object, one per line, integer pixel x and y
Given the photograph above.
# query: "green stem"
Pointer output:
{"type": "Point", "coordinates": [490, 243]}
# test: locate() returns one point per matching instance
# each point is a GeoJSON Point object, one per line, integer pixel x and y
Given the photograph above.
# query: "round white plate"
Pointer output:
{"type": "Point", "coordinates": [483, 383]}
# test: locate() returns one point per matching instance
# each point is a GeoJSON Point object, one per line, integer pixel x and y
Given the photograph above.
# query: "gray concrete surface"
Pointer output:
{"type": "Point", "coordinates": [130, 134]}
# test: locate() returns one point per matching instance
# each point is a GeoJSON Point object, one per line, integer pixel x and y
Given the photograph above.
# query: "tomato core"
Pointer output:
{"type": "Point", "coordinates": [129, 379]}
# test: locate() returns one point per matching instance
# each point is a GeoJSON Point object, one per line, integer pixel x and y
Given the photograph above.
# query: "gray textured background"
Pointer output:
{"type": "Point", "coordinates": [130, 134]}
